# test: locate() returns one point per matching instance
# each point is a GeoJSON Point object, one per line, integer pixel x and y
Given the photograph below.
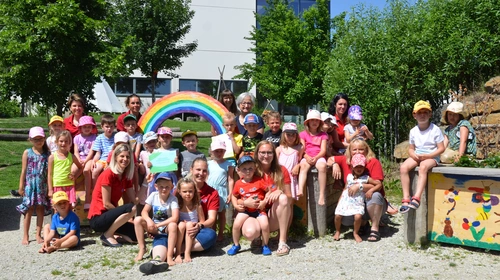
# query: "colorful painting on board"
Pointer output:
{"type": "Point", "coordinates": [464, 210]}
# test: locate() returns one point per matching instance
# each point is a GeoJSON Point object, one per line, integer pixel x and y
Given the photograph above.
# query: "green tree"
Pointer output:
{"type": "Point", "coordinates": [150, 33]}
{"type": "Point", "coordinates": [49, 49]}
{"type": "Point", "coordinates": [291, 53]}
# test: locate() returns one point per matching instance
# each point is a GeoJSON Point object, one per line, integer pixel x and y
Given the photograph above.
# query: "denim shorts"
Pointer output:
{"type": "Point", "coordinates": [207, 238]}
{"type": "Point", "coordinates": [160, 240]}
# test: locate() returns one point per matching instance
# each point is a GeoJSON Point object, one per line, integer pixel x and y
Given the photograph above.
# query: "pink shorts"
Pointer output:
{"type": "Point", "coordinates": [69, 190]}
{"type": "Point", "coordinates": [322, 159]}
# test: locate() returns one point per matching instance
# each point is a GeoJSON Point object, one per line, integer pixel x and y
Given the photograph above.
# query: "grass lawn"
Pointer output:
{"type": "Point", "coordinates": [12, 151]}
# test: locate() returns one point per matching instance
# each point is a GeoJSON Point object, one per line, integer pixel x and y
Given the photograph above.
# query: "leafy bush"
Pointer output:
{"type": "Point", "coordinates": [490, 162]}
{"type": "Point", "coordinates": [9, 109]}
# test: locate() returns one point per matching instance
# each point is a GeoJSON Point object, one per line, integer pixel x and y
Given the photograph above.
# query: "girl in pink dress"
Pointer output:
{"type": "Point", "coordinates": [289, 153]}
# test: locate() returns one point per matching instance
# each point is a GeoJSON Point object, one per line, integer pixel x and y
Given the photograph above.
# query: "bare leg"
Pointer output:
{"type": "Point", "coordinates": [279, 217]}
{"type": "Point", "coordinates": [172, 239]}
{"type": "Point", "coordinates": [321, 166]}
{"type": "Point", "coordinates": [26, 224]}
{"type": "Point", "coordinates": [87, 175]}
{"type": "Point", "coordinates": [160, 253]}
{"type": "Point", "coordinates": [95, 173]}
{"type": "Point", "coordinates": [264, 226]}
{"type": "Point", "coordinates": [237, 225]}
{"type": "Point", "coordinates": [46, 241]}
{"type": "Point", "coordinates": [120, 221]}
{"type": "Point", "coordinates": [423, 169]}
{"type": "Point", "coordinates": [250, 229]}
{"type": "Point", "coordinates": [338, 225]}
{"type": "Point", "coordinates": [222, 225]}
{"type": "Point", "coordinates": [357, 225]}
{"type": "Point", "coordinates": [408, 165]}
{"type": "Point", "coordinates": [181, 231]}
{"type": "Point", "coordinates": [39, 223]}
{"type": "Point", "coordinates": [139, 225]}
{"type": "Point", "coordinates": [304, 168]}
{"type": "Point", "coordinates": [189, 243]}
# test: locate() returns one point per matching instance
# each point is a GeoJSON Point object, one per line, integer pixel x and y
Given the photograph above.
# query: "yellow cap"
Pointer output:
{"type": "Point", "coordinates": [421, 105]}
{"type": "Point", "coordinates": [59, 196]}
{"type": "Point", "coordinates": [56, 118]}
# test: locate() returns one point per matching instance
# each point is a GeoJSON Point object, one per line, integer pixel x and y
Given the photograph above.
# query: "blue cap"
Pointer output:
{"type": "Point", "coordinates": [251, 118]}
{"type": "Point", "coordinates": [164, 175]}
{"type": "Point", "coordinates": [245, 159]}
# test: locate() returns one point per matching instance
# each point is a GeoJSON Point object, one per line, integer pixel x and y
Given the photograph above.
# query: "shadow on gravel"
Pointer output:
{"type": "Point", "coordinates": [9, 217]}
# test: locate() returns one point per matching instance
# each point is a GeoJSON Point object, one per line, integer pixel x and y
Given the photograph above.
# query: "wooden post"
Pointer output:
{"type": "Point", "coordinates": [415, 222]}
{"type": "Point", "coordinates": [316, 214]}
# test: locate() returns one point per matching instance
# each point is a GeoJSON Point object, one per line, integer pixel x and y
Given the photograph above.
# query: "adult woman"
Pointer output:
{"type": "Point", "coordinates": [227, 99]}
{"type": "Point", "coordinates": [133, 103]}
{"type": "Point", "coordinates": [459, 136]}
{"type": "Point", "coordinates": [245, 103]}
{"type": "Point", "coordinates": [375, 201]}
{"type": "Point", "coordinates": [279, 200]}
{"type": "Point", "coordinates": [76, 105]}
{"type": "Point", "coordinates": [205, 236]}
{"type": "Point", "coordinates": [338, 108]}
{"type": "Point", "coordinates": [104, 214]}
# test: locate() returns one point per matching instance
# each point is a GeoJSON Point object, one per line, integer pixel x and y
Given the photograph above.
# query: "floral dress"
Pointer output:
{"type": "Point", "coordinates": [36, 186]}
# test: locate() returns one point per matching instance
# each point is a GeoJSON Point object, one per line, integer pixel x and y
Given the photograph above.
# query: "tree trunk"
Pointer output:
{"type": "Point", "coordinates": [153, 83]}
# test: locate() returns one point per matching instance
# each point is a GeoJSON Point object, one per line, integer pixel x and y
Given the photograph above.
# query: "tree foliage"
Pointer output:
{"type": "Point", "coordinates": [151, 33]}
{"type": "Point", "coordinates": [49, 48]}
{"type": "Point", "coordinates": [291, 53]}
{"type": "Point", "coordinates": [387, 60]}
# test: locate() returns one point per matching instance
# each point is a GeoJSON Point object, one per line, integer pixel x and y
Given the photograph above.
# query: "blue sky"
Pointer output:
{"type": "Point", "coordinates": [338, 6]}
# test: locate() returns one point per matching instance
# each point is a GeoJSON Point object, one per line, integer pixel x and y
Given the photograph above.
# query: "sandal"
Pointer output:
{"type": "Point", "coordinates": [391, 210]}
{"type": "Point", "coordinates": [283, 249]}
{"type": "Point", "coordinates": [374, 235]}
{"type": "Point", "coordinates": [415, 203]}
{"type": "Point", "coordinates": [404, 208]}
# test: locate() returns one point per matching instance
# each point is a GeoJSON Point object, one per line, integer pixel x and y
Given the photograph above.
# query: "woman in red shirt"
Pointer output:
{"type": "Point", "coordinates": [279, 201]}
{"type": "Point", "coordinates": [133, 103]}
{"type": "Point", "coordinates": [76, 105]}
{"type": "Point", "coordinates": [104, 214]}
{"type": "Point", "coordinates": [339, 106]}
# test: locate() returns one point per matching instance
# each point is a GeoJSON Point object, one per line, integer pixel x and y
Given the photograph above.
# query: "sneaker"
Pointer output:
{"type": "Point", "coordinates": [152, 267]}
{"type": "Point", "coordinates": [234, 249]}
{"type": "Point", "coordinates": [266, 251]}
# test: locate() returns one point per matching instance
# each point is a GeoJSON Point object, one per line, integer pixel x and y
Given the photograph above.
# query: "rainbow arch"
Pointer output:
{"type": "Point", "coordinates": [183, 102]}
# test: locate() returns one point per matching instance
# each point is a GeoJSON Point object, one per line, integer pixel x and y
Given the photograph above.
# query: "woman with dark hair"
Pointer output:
{"type": "Point", "coordinates": [227, 99]}
{"type": "Point", "coordinates": [104, 214]}
{"type": "Point", "coordinates": [339, 107]}
{"type": "Point", "coordinates": [133, 103]}
{"type": "Point", "coordinates": [77, 105]}
{"type": "Point", "coordinates": [279, 200]}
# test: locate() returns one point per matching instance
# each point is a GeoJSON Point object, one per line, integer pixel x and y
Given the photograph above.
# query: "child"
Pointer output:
{"type": "Point", "coordinates": [220, 177]}
{"type": "Point", "coordinates": [60, 176]}
{"type": "Point", "coordinates": [190, 141]}
{"type": "Point", "coordinates": [165, 210]}
{"type": "Point", "coordinates": [330, 128]}
{"type": "Point", "coordinates": [273, 135]}
{"type": "Point", "coordinates": [150, 140]}
{"type": "Point", "coordinates": [165, 144]}
{"type": "Point", "coordinates": [103, 144]}
{"type": "Point", "coordinates": [64, 231]}
{"type": "Point", "coordinates": [289, 152]}
{"type": "Point", "coordinates": [355, 129]}
{"type": "Point", "coordinates": [426, 144]}
{"type": "Point", "coordinates": [459, 136]}
{"type": "Point", "coordinates": [314, 142]}
{"type": "Point", "coordinates": [229, 122]}
{"type": "Point", "coordinates": [191, 213]}
{"type": "Point", "coordinates": [135, 141]}
{"type": "Point", "coordinates": [250, 186]}
{"type": "Point", "coordinates": [83, 147]}
{"type": "Point", "coordinates": [252, 138]}
{"type": "Point", "coordinates": [352, 201]}
{"type": "Point", "coordinates": [56, 125]}
{"type": "Point", "coordinates": [33, 186]}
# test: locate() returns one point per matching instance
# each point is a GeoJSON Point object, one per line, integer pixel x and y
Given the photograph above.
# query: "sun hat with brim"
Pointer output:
{"type": "Point", "coordinates": [59, 196]}
{"type": "Point", "coordinates": [86, 120]}
{"type": "Point", "coordinates": [217, 145]}
{"type": "Point", "coordinates": [358, 160]}
{"type": "Point", "coordinates": [456, 107]}
{"type": "Point", "coordinates": [420, 105]}
{"type": "Point", "coordinates": [313, 115]}
{"type": "Point", "coordinates": [150, 136]}
{"type": "Point", "coordinates": [164, 131]}
{"type": "Point", "coordinates": [189, 132]}
{"type": "Point", "coordinates": [325, 116]}
{"type": "Point", "coordinates": [56, 118]}
{"type": "Point", "coordinates": [130, 117]}
{"type": "Point", "coordinates": [245, 159]}
{"type": "Point", "coordinates": [164, 175]}
{"type": "Point", "coordinates": [121, 137]}
{"type": "Point", "coordinates": [36, 131]}
{"type": "Point", "coordinates": [355, 113]}
{"type": "Point", "coordinates": [290, 127]}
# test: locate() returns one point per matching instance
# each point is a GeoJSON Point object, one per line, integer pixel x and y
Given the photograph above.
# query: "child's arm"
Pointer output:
{"type": "Point", "coordinates": [76, 161]}
{"type": "Point", "coordinates": [440, 149]}
{"type": "Point", "coordinates": [348, 136]}
{"type": "Point", "coordinates": [50, 176]}
{"type": "Point", "coordinates": [60, 241]}
{"type": "Point", "coordinates": [230, 182]}
{"type": "Point", "coordinates": [150, 225]}
{"type": "Point", "coordinates": [368, 133]}
{"type": "Point", "coordinates": [201, 215]}
{"type": "Point", "coordinates": [97, 157]}
{"type": "Point", "coordinates": [306, 156]}
{"type": "Point", "coordinates": [48, 238]}
{"type": "Point", "coordinates": [464, 136]}
{"type": "Point", "coordinates": [321, 153]}
{"type": "Point", "coordinates": [76, 152]}
{"type": "Point", "coordinates": [22, 177]}
{"type": "Point", "coordinates": [89, 157]}
{"type": "Point", "coordinates": [236, 148]}
{"type": "Point", "coordinates": [137, 150]}
{"type": "Point", "coordinates": [371, 186]}
{"type": "Point", "coordinates": [412, 154]}
{"type": "Point", "coordinates": [278, 152]}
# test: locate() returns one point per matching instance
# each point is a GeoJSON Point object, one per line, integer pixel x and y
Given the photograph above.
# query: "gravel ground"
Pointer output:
{"type": "Point", "coordinates": [313, 258]}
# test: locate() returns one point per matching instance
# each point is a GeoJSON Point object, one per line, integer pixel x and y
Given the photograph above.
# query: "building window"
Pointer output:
{"type": "Point", "coordinates": [142, 87]}
{"type": "Point", "coordinates": [210, 87]}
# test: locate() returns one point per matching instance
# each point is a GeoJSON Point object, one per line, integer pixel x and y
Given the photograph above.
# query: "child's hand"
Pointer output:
{"type": "Point", "coordinates": [176, 160]}
{"type": "Point", "coordinates": [262, 204]}
{"type": "Point", "coordinates": [149, 164]}
{"type": "Point", "coordinates": [229, 133]}
{"type": "Point", "coordinates": [149, 178]}
{"type": "Point", "coordinates": [296, 170]}
{"type": "Point", "coordinates": [151, 226]}
{"type": "Point", "coordinates": [228, 199]}
{"type": "Point", "coordinates": [369, 194]}
{"type": "Point", "coordinates": [21, 192]}
{"type": "Point", "coordinates": [312, 161]}
{"type": "Point", "coordinates": [50, 193]}
{"type": "Point", "coordinates": [57, 243]}
{"type": "Point", "coordinates": [71, 176]}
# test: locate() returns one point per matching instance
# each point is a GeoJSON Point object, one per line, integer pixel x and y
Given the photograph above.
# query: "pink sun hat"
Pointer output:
{"type": "Point", "coordinates": [36, 131]}
{"type": "Point", "coordinates": [86, 120]}
{"type": "Point", "coordinates": [358, 160]}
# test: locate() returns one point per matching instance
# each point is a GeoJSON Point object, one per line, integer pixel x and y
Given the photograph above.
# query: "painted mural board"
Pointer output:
{"type": "Point", "coordinates": [464, 210]}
